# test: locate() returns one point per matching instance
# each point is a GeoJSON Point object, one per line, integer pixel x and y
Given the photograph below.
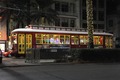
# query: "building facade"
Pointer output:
{"type": "Point", "coordinates": [113, 26]}
{"type": "Point", "coordinates": [3, 32]}
{"type": "Point", "coordinates": [72, 14]}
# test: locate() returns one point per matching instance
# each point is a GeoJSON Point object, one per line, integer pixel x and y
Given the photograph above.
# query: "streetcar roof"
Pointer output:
{"type": "Point", "coordinates": [56, 31]}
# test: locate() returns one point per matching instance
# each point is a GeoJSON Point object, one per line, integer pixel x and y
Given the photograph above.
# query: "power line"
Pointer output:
{"type": "Point", "coordinates": [10, 8]}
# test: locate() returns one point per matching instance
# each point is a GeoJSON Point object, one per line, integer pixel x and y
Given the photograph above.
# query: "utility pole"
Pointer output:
{"type": "Point", "coordinates": [89, 10]}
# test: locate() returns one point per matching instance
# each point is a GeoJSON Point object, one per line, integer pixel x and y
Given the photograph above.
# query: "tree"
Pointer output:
{"type": "Point", "coordinates": [25, 11]}
{"type": "Point", "coordinates": [89, 10]}
{"type": "Point", "coordinates": [15, 10]}
{"type": "Point", "coordinates": [43, 12]}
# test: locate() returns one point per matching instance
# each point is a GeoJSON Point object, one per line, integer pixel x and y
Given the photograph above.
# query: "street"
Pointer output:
{"type": "Point", "coordinates": [91, 71]}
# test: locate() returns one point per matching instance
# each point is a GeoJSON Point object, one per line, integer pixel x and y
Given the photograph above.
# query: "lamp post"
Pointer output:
{"type": "Point", "coordinates": [89, 10]}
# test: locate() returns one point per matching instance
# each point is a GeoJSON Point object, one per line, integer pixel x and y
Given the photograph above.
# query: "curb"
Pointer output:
{"type": "Point", "coordinates": [38, 64]}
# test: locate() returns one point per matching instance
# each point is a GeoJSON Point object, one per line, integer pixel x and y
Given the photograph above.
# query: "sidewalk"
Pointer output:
{"type": "Point", "coordinates": [13, 62]}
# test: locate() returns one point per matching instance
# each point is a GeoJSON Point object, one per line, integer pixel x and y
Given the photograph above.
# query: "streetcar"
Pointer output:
{"type": "Point", "coordinates": [26, 38]}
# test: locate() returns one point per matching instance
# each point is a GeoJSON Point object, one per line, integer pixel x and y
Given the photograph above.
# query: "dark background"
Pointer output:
{"type": "Point", "coordinates": [112, 7]}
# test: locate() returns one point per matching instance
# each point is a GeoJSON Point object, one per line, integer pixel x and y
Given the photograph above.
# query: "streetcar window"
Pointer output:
{"type": "Point", "coordinates": [108, 42]}
{"type": "Point", "coordinates": [98, 40]}
{"type": "Point", "coordinates": [74, 39]}
{"type": "Point", "coordinates": [52, 39]}
{"type": "Point", "coordinates": [83, 40]}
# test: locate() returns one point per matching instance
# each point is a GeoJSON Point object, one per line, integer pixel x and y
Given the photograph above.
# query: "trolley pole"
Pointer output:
{"type": "Point", "coordinates": [89, 10]}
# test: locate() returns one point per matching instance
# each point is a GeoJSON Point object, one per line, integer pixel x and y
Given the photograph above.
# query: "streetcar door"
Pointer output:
{"type": "Point", "coordinates": [28, 41]}
{"type": "Point", "coordinates": [24, 43]}
{"type": "Point", "coordinates": [21, 44]}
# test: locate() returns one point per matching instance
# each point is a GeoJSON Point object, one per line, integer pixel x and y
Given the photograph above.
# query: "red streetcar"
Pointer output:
{"type": "Point", "coordinates": [25, 38]}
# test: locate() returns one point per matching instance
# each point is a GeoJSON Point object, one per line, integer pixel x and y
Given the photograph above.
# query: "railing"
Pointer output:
{"type": "Point", "coordinates": [63, 28]}
{"type": "Point", "coordinates": [35, 54]}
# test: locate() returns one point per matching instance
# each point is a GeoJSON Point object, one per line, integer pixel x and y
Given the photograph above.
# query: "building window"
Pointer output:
{"type": "Point", "coordinates": [72, 8]}
{"type": "Point", "coordinates": [84, 25]}
{"type": "Point", "coordinates": [100, 26]}
{"type": "Point", "coordinates": [94, 3]}
{"type": "Point", "coordinates": [94, 15]}
{"type": "Point", "coordinates": [101, 16]}
{"type": "Point", "coordinates": [84, 15]}
{"type": "Point", "coordinates": [65, 7]}
{"type": "Point", "coordinates": [101, 3]}
{"type": "Point", "coordinates": [95, 26]}
{"type": "Point", "coordinates": [57, 6]}
{"type": "Point", "coordinates": [84, 3]}
{"type": "Point", "coordinates": [57, 22]}
{"type": "Point", "coordinates": [72, 22]}
{"type": "Point", "coordinates": [110, 23]}
{"type": "Point", "coordinates": [64, 22]}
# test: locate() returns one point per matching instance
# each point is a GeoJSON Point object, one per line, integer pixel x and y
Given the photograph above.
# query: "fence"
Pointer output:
{"type": "Point", "coordinates": [34, 55]}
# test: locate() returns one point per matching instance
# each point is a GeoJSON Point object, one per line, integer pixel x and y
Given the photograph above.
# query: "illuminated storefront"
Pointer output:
{"type": "Point", "coordinates": [3, 35]}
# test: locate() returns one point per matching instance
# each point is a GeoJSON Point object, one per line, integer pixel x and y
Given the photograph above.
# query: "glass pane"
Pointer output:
{"type": "Point", "coordinates": [83, 40]}
{"type": "Point", "coordinates": [74, 40]}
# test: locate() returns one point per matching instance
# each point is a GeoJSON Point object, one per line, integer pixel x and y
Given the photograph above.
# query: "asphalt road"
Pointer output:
{"type": "Point", "coordinates": [99, 71]}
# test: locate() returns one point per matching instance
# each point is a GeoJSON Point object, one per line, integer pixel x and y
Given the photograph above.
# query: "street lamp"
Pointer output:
{"type": "Point", "coordinates": [89, 10]}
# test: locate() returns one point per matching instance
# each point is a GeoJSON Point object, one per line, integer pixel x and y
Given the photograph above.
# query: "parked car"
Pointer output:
{"type": "Point", "coordinates": [14, 53]}
{"type": "Point", "coordinates": [7, 54]}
